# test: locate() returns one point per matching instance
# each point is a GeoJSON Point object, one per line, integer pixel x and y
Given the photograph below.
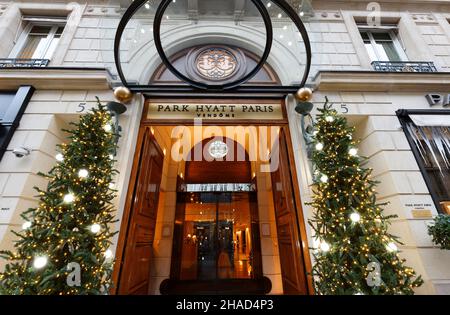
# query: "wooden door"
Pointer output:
{"type": "Point", "coordinates": [135, 272]}
{"type": "Point", "coordinates": [289, 243]}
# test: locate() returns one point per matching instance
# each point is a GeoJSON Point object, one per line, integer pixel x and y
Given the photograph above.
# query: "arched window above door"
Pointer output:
{"type": "Point", "coordinates": [212, 64]}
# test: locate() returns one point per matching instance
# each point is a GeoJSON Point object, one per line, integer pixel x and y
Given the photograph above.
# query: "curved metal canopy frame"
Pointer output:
{"type": "Point", "coordinates": [157, 37]}
{"type": "Point", "coordinates": [198, 87]}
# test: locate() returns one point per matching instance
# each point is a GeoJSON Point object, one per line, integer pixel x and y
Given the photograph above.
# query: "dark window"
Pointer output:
{"type": "Point", "coordinates": [431, 147]}
{"type": "Point", "coordinates": [12, 106]}
{"type": "Point", "coordinates": [6, 99]}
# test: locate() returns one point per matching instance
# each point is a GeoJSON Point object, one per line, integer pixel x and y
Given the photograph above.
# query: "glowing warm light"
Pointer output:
{"type": "Point", "coordinates": [59, 157]}
{"type": "Point", "coordinates": [83, 173]}
{"type": "Point", "coordinates": [69, 198]}
{"type": "Point", "coordinates": [95, 228]}
{"type": "Point", "coordinates": [324, 247]}
{"type": "Point", "coordinates": [355, 217]}
{"type": "Point", "coordinates": [319, 146]}
{"type": "Point", "coordinates": [391, 247]}
{"type": "Point", "coordinates": [353, 152]}
{"type": "Point", "coordinates": [40, 262]}
{"type": "Point", "coordinates": [329, 119]}
{"type": "Point", "coordinates": [324, 178]}
{"type": "Point", "coordinates": [107, 128]}
{"type": "Point", "coordinates": [108, 254]}
{"type": "Point", "coordinates": [26, 225]}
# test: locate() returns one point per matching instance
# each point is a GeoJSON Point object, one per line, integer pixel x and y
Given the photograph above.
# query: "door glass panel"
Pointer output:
{"type": "Point", "coordinates": [217, 242]}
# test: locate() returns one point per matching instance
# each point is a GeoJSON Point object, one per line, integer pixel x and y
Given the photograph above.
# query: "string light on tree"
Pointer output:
{"type": "Point", "coordinates": [324, 178]}
{"type": "Point", "coordinates": [329, 119]}
{"type": "Point", "coordinates": [83, 173]}
{"type": "Point", "coordinates": [353, 151]}
{"type": "Point", "coordinates": [107, 127]}
{"type": "Point", "coordinates": [59, 157]}
{"type": "Point", "coordinates": [95, 228]}
{"type": "Point", "coordinates": [26, 225]}
{"type": "Point", "coordinates": [108, 254]}
{"type": "Point", "coordinates": [319, 146]}
{"type": "Point", "coordinates": [391, 247]}
{"type": "Point", "coordinates": [40, 262]}
{"type": "Point", "coordinates": [324, 246]}
{"type": "Point", "coordinates": [355, 217]}
{"type": "Point", "coordinates": [69, 198]}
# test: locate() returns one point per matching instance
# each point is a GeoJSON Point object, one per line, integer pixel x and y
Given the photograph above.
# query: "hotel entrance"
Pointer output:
{"type": "Point", "coordinates": [213, 205]}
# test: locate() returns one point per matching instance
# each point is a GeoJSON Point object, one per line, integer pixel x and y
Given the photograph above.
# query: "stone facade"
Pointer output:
{"type": "Point", "coordinates": [338, 51]}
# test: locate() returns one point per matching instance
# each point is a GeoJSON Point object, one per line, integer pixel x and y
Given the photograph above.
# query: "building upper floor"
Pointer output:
{"type": "Point", "coordinates": [386, 36]}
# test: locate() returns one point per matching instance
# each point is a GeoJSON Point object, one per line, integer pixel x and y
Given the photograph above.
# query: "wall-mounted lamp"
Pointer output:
{"type": "Point", "coordinates": [116, 109]}
{"type": "Point", "coordinates": [304, 108]}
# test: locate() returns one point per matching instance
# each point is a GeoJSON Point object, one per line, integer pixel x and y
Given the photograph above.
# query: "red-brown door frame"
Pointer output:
{"type": "Point", "coordinates": [145, 122]}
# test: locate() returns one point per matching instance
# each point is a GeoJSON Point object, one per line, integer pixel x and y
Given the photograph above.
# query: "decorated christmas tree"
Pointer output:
{"type": "Point", "coordinates": [353, 251]}
{"type": "Point", "coordinates": [63, 247]}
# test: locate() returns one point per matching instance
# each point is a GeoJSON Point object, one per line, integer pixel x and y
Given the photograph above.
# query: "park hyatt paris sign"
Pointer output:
{"type": "Point", "coordinates": [233, 111]}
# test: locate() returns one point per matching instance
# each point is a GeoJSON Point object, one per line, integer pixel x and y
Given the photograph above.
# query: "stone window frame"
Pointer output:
{"type": "Point", "coordinates": [49, 21]}
{"type": "Point", "coordinates": [392, 32]}
{"type": "Point", "coordinates": [13, 16]}
{"type": "Point", "coordinates": [407, 31]}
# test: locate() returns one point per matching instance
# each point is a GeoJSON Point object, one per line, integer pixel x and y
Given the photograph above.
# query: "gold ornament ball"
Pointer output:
{"type": "Point", "coordinates": [123, 94]}
{"type": "Point", "coordinates": [304, 94]}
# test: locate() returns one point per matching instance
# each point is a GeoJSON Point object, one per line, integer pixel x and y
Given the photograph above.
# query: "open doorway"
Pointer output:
{"type": "Point", "coordinates": [224, 223]}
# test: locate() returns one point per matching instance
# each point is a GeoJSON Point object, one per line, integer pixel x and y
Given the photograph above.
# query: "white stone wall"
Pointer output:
{"type": "Point", "coordinates": [435, 31]}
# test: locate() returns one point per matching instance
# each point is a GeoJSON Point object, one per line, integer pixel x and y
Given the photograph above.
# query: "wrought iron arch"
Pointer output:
{"type": "Point", "coordinates": [231, 87]}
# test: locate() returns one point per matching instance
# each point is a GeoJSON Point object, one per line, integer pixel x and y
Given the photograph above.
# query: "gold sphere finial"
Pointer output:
{"type": "Point", "coordinates": [304, 94]}
{"type": "Point", "coordinates": [123, 94]}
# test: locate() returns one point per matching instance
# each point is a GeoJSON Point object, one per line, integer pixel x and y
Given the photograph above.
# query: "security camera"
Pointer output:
{"type": "Point", "coordinates": [20, 152]}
